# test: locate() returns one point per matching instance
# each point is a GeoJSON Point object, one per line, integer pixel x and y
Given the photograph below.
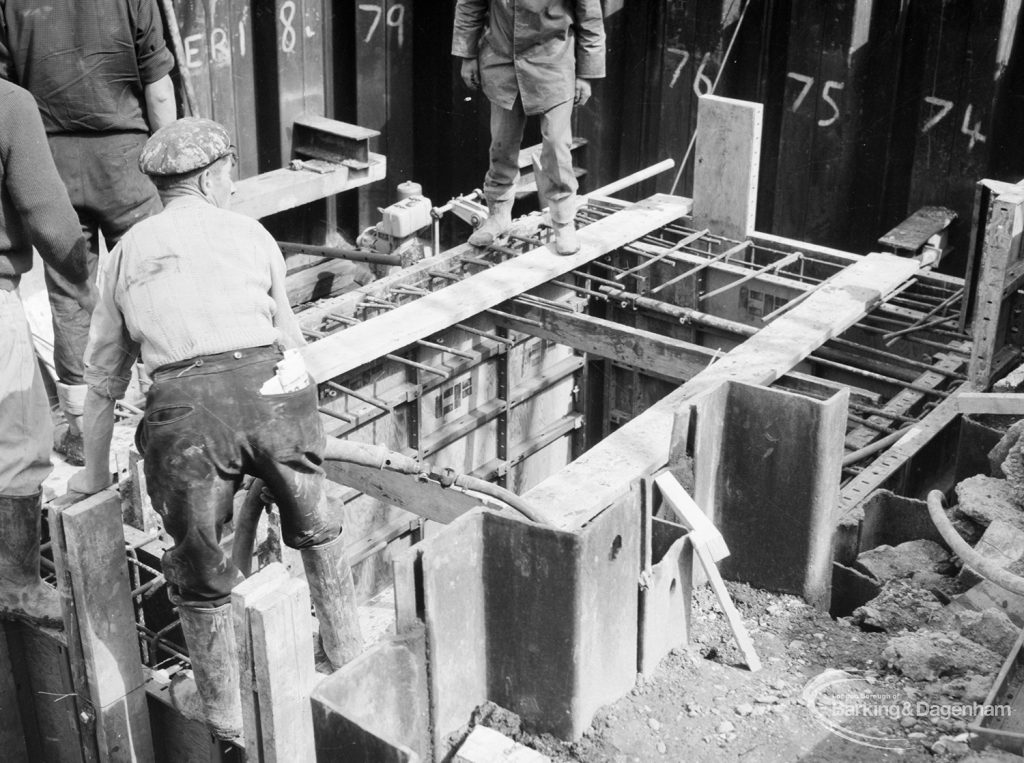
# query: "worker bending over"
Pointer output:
{"type": "Point", "coordinates": [201, 291]}
{"type": "Point", "coordinates": [531, 57]}
{"type": "Point", "coordinates": [34, 210]}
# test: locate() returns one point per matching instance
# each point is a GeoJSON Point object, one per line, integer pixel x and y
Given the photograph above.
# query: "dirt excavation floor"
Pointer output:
{"type": "Point", "coordinates": [703, 705]}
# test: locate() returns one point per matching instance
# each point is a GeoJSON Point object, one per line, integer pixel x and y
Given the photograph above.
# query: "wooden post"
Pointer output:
{"type": "Point", "coordinates": [1001, 273]}
{"type": "Point", "coordinates": [106, 669]}
{"type": "Point", "coordinates": [12, 739]}
{"type": "Point", "coordinates": [273, 634]}
{"type": "Point", "coordinates": [727, 163]}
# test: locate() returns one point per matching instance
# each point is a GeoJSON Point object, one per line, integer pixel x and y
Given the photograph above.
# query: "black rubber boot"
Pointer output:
{"type": "Point", "coordinates": [334, 597]}
{"type": "Point", "coordinates": [23, 595]}
{"type": "Point", "coordinates": [210, 636]}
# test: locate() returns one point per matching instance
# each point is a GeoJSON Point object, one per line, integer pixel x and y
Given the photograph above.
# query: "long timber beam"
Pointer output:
{"type": "Point", "coordinates": [641, 447]}
{"type": "Point", "coordinates": [364, 343]}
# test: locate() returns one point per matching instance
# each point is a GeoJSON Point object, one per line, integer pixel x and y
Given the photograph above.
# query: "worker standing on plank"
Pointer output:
{"type": "Point", "coordinates": [100, 74]}
{"type": "Point", "coordinates": [531, 57]}
{"type": "Point", "coordinates": [34, 211]}
{"type": "Point", "coordinates": [200, 290]}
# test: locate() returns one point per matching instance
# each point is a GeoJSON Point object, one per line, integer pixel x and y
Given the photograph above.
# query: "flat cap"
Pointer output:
{"type": "Point", "coordinates": [187, 144]}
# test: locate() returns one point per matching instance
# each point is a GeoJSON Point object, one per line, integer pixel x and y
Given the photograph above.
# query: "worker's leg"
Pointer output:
{"type": "Point", "coordinates": [116, 190]}
{"type": "Point", "coordinates": [500, 182]}
{"type": "Point", "coordinates": [288, 457]}
{"type": "Point", "coordinates": [24, 464]}
{"type": "Point", "coordinates": [189, 458]}
{"type": "Point", "coordinates": [559, 181]}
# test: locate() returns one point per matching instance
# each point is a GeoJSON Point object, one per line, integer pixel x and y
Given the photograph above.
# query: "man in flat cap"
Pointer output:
{"type": "Point", "coordinates": [200, 292]}
{"type": "Point", "coordinates": [532, 57]}
{"type": "Point", "coordinates": [100, 74]}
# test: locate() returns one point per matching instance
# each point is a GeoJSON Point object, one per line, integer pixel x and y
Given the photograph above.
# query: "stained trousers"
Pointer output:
{"type": "Point", "coordinates": [25, 427]}
{"type": "Point", "coordinates": [206, 426]}
{"type": "Point", "coordinates": [558, 184]}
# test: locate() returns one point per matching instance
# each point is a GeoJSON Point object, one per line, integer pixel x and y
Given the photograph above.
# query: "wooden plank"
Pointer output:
{"type": "Point", "coordinates": [999, 269]}
{"type": "Point", "coordinates": [993, 403]}
{"type": "Point", "coordinates": [12, 730]}
{"type": "Point", "coordinates": [642, 446]}
{"type": "Point", "coordinates": [726, 168]}
{"type": "Point", "coordinates": [283, 189]}
{"type": "Point", "coordinates": [106, 618]}
{"type": "Point", "coordinates": [284, 674]}
{"type": "Point", "coordinates": [243, 598]}
{"type": "Point", "coordinates": [361, 344]}
{"type": "Point", "coordinates": [427, 499]}
{"type": "Point", "coordinates": [690, 514]}
{"type": "Point", "coordinates": [739, 630]}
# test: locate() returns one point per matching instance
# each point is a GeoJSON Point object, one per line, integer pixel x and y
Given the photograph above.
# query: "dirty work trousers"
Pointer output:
{"type": "Point", "coordinates": [206, 425]}
{"type": "Point", "coordinates": [558, 186]}
{"type": "Point", "coordinates": [110, 194]}
{"type": "Point", "coordinates": [24, 411]}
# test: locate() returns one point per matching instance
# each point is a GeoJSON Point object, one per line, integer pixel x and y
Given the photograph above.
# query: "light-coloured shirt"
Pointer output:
{"type": "Point", "coordinates": [192, 280]}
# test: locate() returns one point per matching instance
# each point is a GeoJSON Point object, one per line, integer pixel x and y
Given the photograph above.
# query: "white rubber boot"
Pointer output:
{"type": "Point", "coordinates": [498, 221]}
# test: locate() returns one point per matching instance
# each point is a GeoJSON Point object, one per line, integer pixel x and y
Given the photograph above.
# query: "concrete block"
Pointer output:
{"type": "Point", "coordinates": [485, 745]}
{"type": "Point", "coordinates": [1002, 544]}
{"type": "Point", "coordinates": [375, 708]}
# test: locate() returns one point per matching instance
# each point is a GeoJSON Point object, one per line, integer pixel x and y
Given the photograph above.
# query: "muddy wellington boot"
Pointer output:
{"type": "Point", "coordinates": [23, 595]}
{"type": "Point", "coordinates": [563, 221]}
{"type": "Point", "coordinates": [210, 635]}
{"type": "Point", "coordinates": [498, 221]}
{"type": "Point", "coordinates": [334, 598]}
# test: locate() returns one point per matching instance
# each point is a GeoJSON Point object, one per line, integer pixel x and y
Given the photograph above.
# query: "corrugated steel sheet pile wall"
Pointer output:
{"type": "Point", "coordinates": [873, 108]}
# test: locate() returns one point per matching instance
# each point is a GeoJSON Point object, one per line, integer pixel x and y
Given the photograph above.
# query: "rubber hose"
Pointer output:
{"type": "Point", "coordinates": [478, 485]}
{"type": "Point", "coordinates": [984, 567]}
{"type": "Point", "coordinates": [246, 520]}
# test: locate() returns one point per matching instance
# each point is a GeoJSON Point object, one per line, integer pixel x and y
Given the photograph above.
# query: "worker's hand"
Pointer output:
{"type": "Point", "coordinates": [85, 295]}
{"type": "Point", "coordinates": [82, 483]}
{"type": "Point", "coordinates": [582, 92]}
{"type": "Point", "coordinates": [471, 73]}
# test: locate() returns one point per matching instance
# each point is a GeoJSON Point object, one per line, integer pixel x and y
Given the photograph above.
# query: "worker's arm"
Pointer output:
{"type": "Point", "coordinates": [590, 41]}
{"type": "Point", "coordinates": [161, 108]}
{"type": "Point", "coordinates": [469, 25]}
{"type": "Point", "coordinates": [38, 193]}
{"type": "Point", "coordinates": [108, 362]}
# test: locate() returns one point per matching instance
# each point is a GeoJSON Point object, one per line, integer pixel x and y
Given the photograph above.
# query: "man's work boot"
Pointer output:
{"type": "Point", "coordinates": [499, 220]}
{"type": "Point", "coordinates": [566, 241]}
{"type": "Point", "coordinates": [334, 598]}
{"type": "Point", "coordinates": [210, 635]}
{"type": "Point", "coordinates": [23, 596]}
{"type": "Point", "coordinates": [68, 439]}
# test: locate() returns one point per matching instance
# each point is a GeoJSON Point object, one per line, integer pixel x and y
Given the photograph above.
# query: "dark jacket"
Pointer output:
{"type": "Point", "coordinates": [531, 48]}
{"type": "Point", "coordinates": [34, 206]}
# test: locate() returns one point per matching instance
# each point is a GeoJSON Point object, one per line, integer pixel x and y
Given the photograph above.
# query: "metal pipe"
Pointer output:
{"type": "Point", "coordinates": [721, 256]}
{"type": "Point", "coordinates": [374, 401]}
{"type": "Point", "coordinates": [446, 348]}
{"type": "Point", "coordinates": [485, 334]}
{"type": "Point", "coordinates": [667, 253]}
{"type": "Point", "coordinates": [336, 253]}
{"type": "Point", "coordinates": [637, 177]}
{"type": "Point", "coordinates": [336, 415]}
{"type": "Point", "coordinates": [764, 270]}
{"type": "Point", "coordinates": [970, 557]}
{"type": "Point", "coordinates": [875, 447]}
{"type": "Point", "coordinates": [414, 364]}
